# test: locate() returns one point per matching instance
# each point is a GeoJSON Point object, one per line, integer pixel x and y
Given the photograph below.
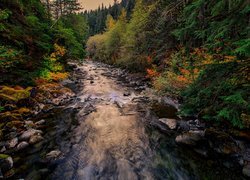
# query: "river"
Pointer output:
{"type": "Point", "coordinates": [105, 133]}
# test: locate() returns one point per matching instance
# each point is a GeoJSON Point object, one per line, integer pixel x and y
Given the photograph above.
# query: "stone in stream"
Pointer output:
{"type": "Point", "coordinates": [6, 162]}
{"type": "Point", "coordinates": [12, 143]}
{"type": "Point", "coordinates": [221, 142]}
{"type": "Point", "coordinates": [27, 134]}
{"type": "Point", "coordinates": [29, 124]}
{"type": "Point", "coordinates": [53, 155]}
{"type": "Point", "coordinates": [190, 138]}
{"type": "Point", "coordinates": [171, 123]}
{"type": "Point", "coordinates": [22, 145]}
{"type": "Point", "coordinates": [3, 149]}
{"type": "Point", "coordinates": [41, 122]}
{"type": "Point", "coordinates": [35, 139]}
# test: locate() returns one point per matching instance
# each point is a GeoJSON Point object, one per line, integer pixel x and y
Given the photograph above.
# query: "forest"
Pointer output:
{"type": "Point", "coordinates": [195, 52]}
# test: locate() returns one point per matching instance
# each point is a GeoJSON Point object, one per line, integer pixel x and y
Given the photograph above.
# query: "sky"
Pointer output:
{"type": "Point", "coordinates": [93, 4]}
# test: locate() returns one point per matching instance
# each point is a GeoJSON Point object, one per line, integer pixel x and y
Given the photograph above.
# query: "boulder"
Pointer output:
{"type": "Point", "coordinates": [27, 134]}
{"type": "Point", "coordinates": [41, 122]}
{"type": "Point", "coordinates": [22, 145]}
{"type": "Point", "coordinates": [171, 123]}
{"type": "Point", "coordinates": [35, 139]}
{"type": "Point", "coordinates": [29, 124]}
{"type": "Point", "coordinates": [6, 162]}
{"type": "Point", "coordinates": [12, 143]}
{"type": "Point", "coordinates": [190, 138]}
{"type": "Point", "coordinates": [183, 126]}
{"type": "Point", "coordinates": [53, 155]}
{"type": "Point", "coordinates": [221, 142]}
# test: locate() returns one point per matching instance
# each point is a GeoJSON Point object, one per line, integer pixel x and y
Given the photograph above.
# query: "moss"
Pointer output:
{"type": "Point", "coordinates": [6, 97]}
{"type": "Point", "coordinates": [9, 116]}
{"type": "Point", "coordinates": [12, 94]}
{"type": "Point", "coordinates": [4, 156]}
{"type": "Point", "coordinates": [23, 111]}
{"type": "Point", "coordinates": [16, 124]}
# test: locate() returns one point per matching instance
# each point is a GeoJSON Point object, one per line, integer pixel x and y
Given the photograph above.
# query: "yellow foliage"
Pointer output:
{"type": "Point", "coordinates": [58, 76]}
{"type": "Point", "coordinates": [60, 51]}
{"type": "Point", "coordinates": [23, 110]}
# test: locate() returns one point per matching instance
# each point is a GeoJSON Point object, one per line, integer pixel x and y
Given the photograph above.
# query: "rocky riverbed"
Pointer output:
{"type": "Point", "coordinates": [105, 123]}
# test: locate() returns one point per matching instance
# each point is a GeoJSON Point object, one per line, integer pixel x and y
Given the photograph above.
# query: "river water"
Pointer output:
{"type": "Point", "coordinates": [105, 133]}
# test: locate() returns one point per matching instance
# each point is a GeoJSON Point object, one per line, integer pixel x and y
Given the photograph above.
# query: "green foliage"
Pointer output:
{"type": "Point", "coordinates": [8, 57]}
{"type": "Point", "coordinates": [97, 18]}
{"type": "Point", "coordinates": [29, 34]}
{"type": "Point", "coordinates": [220, 93]}
{"type": "Point", "coordinates": [1, 108]}
{"type": "Point", "coordinates": [71, 32]}
{"type": "Point", "coordinates": [123, 42]}
{"type": "Point", "coordinates": [4, 15]}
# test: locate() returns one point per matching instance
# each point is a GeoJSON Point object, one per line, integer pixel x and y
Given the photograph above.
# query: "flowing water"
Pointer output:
{"type": "Point", "coordinates": [105, 134]}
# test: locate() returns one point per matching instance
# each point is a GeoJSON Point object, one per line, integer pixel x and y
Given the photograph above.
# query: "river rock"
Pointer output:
{"type": "Point", "coordinates": [2, 149]}
{"type": "Point", "coordinates": [22, 145]}
{"type": "Point", "coordinates": [27, 134]}
{"type": "Point", "coordinates": [35, 139]}
{"type": "Point", "coordinates": [29, 124]}
{"type": "Point", "coordinates": [183, 126]}
{"type": "Point", "coordinates": [41, 122]}
{"type": "Point", "coordinates": [171, 123]}
{"type": "Point", "coordinates": [221, 142]}
{"type": "Point", "coordinates": [246, 170]}
{"type": "Point", "coordinates": [53, 155]}
{"type": "Point", "coordinates": [190, 138]}
{"type": "Point", "coordinates": [6, 162]}
{"type": "Point", "coordinates": [12, 143]}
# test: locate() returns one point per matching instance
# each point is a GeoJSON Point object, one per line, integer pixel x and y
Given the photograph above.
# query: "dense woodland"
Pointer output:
{"type": "Point", "coordinates": [196, 51]}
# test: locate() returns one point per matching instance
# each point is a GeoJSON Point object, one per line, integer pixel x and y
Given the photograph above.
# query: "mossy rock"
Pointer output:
{"type": "Point", "coordinates": [12, 94]}
{"type": "Point", "coordinates": [16, 124]}
{"type": "Point", "coordinates": [7, 98]}
{"type": "Point", "coordinates": [3, 156]}
{"type": "Point", "coordinates": [23, 111]}
{"type": "Point", "coordinates": [9, 116]}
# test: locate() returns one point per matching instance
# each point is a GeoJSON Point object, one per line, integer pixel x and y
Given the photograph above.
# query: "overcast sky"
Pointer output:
{"type": "Point", "coordinates": [93, 4]}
